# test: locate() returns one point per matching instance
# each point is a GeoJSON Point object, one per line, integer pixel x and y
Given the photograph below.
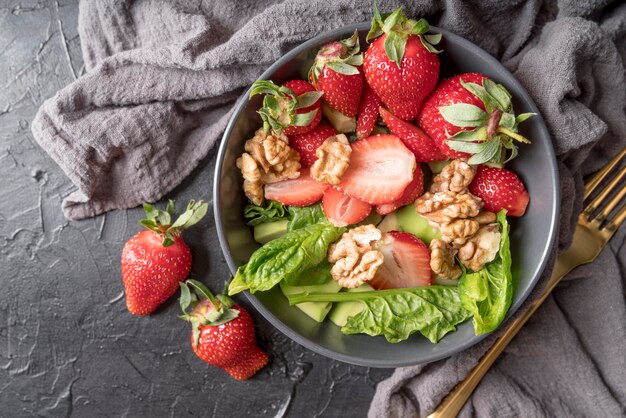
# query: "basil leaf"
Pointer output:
{"type": "Point", "coordinates": [273, 211]}
{"type": "Point", "coordinates": [464, 115]}
{"type": "Point", "coordinates": [487, 293]}
{"type": "Point", "coordinates": [316, 275]}
{"type": "Point", "coordinates": [285, 258]}
{"type": "Point", "coordinates": [396, 314]}
{"type": "Point", "coordinates": [299, 217]}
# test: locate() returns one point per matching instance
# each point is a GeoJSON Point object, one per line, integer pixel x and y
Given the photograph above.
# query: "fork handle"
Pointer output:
{"type": "Point", "coordinates": [452, 404]}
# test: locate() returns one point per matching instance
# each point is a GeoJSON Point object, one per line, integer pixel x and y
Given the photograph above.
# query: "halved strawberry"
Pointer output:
{"type": "Point", "coordinates": [500, 189]}
{"type": "Point", "coordinates": [413, 137]}
{"type": "Point", "coordinates": [407, 262]}
{"type": "Point", "coordinates": [306, 144]}
{"type": "Point", "coordinates": [411, 192]}
{"type": "Point", "coordinates": [368, 112]}
{"type": "Point", "coordinates": [343, 210]}
{"type": "Point", "coordinates": [303, 191]}
{"type": "Point", "coordinates": [380, 169]}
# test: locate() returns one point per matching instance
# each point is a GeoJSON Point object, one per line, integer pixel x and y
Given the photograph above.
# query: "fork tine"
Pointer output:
{"type": "Point", "coordinates": [600, 175]}
{"type": "Point", "coordinates": [595, 203]}
{"type": "Point", "coordinates": [613, 224]}
{"type": "Point", "coordinates": [611, 205]}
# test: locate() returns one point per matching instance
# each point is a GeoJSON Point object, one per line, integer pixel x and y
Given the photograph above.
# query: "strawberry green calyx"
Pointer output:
{"type": "Point", "coordinates": [160, 221]}
{"type": "Point", "coordinates": [491, 141]}
{"type": "Point", "coordinates": [280, 104]}
{"type": "Point", "coordinates": [207, 309]}
{"type": "Point", "coordinates": [398, 28]}
{"type": "Point", "coordinates": [342, 57]}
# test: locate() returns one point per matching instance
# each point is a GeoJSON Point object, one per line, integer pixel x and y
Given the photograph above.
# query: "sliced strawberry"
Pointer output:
{"type": "Point", "coordinates": [411, 192]}
{"type": "Point", "coordinates": [303, 191]}
{"type": "Point", "coordinates": [368, 112]}
{"type": "Point", "coordinates": [380, 169]}
{"type": "Point", "coordinates": [413, 137]}
{"type": "Point", "coordinates": [407, 262]}
{"type": "Point", "coordinates": [343, 210]}
{"type": "Point", "coordinates": [306, 144]}
{"type": "Point", "coordinates": [500, 189]}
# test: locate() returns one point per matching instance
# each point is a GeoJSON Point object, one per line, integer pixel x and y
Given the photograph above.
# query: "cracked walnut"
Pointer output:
{"type": "Point", "coordinates": [333, 159]}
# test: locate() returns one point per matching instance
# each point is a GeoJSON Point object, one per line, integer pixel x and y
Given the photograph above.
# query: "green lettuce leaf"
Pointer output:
{"type": "Point", "coordinates": [396, 314]}
{"type": "Point", "coordinates": [273, 211]}
{"type": "Point", "coordinates": [285, 258]}
{"type": "Point", "coordinates": [487, 293]}
{"type": "Point", "coordinates": [299, 217]}
{"type": "Point", "coordinates": [316, 275]}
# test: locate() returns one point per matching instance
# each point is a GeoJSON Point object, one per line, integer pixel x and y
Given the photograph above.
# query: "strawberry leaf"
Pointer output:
{"type": "Point", "coordinates": [433, 39]}
{"type": "Point", "coordinates": [151, 211]}
{"type": "Point", "coordinates": [464, 115]}
{"type": "Point", "coordinates": [478, 134]}
{"type": "Point", "coordinates": [488, 152]}
{"type": "Point", "coordinates": [468, 147]}
{"type": "Point", "coordinates": [343, 68]}
{"type": "Point", "coordinates": [392, 20]}
{"type": "Point", "coordinates": [421, 27]}
{"type": "Point", "coordinates": [507, 120]}
{"type": "Point", "coordinates": [171, 207]}
{"type": "Point", "coordinates": [309, 98]}
{"type": "Point", "coordinates": [185, 296]}
{"type": "Point", "coordinates": [303, 119]}
{"type": "Point", "coordinates": [522, 117]}
{"type": "Point", "coordinates": [500, 98]}
{"type": "Point", "coordinates": [478, 91]}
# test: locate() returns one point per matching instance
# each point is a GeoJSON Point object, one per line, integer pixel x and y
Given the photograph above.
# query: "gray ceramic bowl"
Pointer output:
{"type": "Point", "coordinates": [531, 240]}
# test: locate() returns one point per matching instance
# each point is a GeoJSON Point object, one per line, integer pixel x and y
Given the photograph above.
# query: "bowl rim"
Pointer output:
{"type": "Point", "coordinates": [347, 358]}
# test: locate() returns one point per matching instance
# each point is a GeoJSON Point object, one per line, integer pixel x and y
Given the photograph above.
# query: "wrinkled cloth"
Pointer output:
{"type": "Point", "coordinates": [163, 75]}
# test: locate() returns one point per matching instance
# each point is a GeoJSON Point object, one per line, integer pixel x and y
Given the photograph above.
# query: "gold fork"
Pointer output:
{"type": "Point", "coordinates": [590, 237]}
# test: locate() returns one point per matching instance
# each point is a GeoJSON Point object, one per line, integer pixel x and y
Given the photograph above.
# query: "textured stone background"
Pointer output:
{"type": "Point", "coordinates": [68, 346]}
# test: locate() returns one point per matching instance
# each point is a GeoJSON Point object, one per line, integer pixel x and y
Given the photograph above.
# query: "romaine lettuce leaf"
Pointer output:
{"type": "Point", "coordinates": [396, 314]}
{"type": "Point", "coordinates": [487, 293]}
{"type": "Point", "coordinates": [299, 217]}
{"type": "Point", "coordinates": [285, 258]}
{"type": "Point", "coordinates": [273, 211]}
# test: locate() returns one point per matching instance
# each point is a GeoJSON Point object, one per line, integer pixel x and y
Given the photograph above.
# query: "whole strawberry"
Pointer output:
{"type": "Point", "coordinates": [222, 333]}
{"type": "Point", "coordinates": [337, 73]}
{"type": "Point", "coordinates": [470, 116]}
{"type": "Point", "coordinates": [156, 260]}
{"type": "Point", "coordinates": [401, 65]}
{"type": "Point", "coordinates": [307, 143]}
{"type": "Point", "coordinates": [500, 189]}
{"type": "Point", "coordinates": [293, 108]}
{"type": "Point", "coordinates": [368, 112]}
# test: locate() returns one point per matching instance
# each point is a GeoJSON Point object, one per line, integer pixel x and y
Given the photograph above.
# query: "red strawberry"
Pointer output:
{"type": "Point", "coordinates": [407, 262]}
{"type": "Point", "coordinates": [303, 191]}
{"type": "Point", "coordinates": [380, 169]}
{"type": "Point", "coordinates": [222, 333]}
{"type": "Point", "coordinates": [306, 144]}
{"type": "Point", "coordinates": [500, 189]}
{"type": "Point", "coordinates": [413, 137]}
{"type": "Point", "coordinates": [343, 210]}
{"type": "Point", "coordinates": [411, 192]}
{"type": "Point", "coordinates": [368, 112]}
{"type": "Point", "coordinates": [155, 261]}
{"type": "Point", "coordinates": [464, 113]}
{"type": "Point", "coordinates": [293, 108]}
{"type": "Point", "coordinates": [401, 66]}
{"type": "Point", "coordinates": [337, 73]}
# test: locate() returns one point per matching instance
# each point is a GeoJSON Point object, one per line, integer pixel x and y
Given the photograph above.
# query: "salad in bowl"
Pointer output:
{"type": "Point", "coordinates": [380, 192]}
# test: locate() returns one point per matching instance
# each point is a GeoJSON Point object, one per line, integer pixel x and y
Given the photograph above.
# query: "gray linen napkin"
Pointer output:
{"type": "Point", "coordinates": [162, 76]}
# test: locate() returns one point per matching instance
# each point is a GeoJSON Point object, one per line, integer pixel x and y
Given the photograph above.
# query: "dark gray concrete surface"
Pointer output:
{"type": "Point", "coordinates": [68, 346]}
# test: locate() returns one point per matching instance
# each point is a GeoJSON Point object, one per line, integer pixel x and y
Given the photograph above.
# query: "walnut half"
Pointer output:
{"type": "Point", "coordinates": [268, 159]}
{"type": "Point", "coordinates": [455, 177]}
{"type": "Point", "coordinates": [333, 159]}
{"type": "Point", "coordinates": [442, 261]}
{"type": "Point", "coordinates": [481, 248]}
{"type": "Point", "coordinates": [355, 260]}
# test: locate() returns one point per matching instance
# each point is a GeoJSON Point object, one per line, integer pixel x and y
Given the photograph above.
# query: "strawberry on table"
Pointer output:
{"type": "Point", "coordinates": [157, 259]}
{"type": "Point", "coordinates": [337, 73]}
{"type": "Point", "coordinates": [293, 108]}
{"type": "Point", "coordinates": [470, 116]}
{"type": "Point", "coordinates": [381, 167]}
{"type": "Point", "coordinates": [222, 333]}
{"type": "Point", "coordinates": [413, 137]}
{"type": "Point", "coordinates": [401, 65]}
{"type": "Point", "coordinates": [302, 191]}
{"type": "Point", "coordinates": [368, 112]}
{"type": "Point", "coordinates": [307, 143]}
{"type": "Point", "coordinates": [500, 189]}
{"type": "Point", "coordinates": [406, 262]}
{"type": "Point", "coordinates": [343, 210]}
{"type": "Point", "coordinates": [414, 189]}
